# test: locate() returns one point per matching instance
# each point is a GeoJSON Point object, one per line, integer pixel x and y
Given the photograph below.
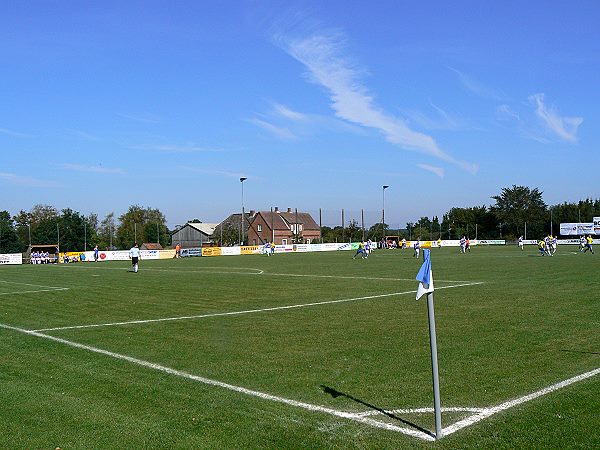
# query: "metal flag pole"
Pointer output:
{"type": "Point", "coordinates": [434, 368]}
{"type": "Point", "coordinates": [425, 278]}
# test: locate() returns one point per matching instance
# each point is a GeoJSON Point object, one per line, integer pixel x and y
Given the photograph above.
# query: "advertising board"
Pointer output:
{"type": "Point", "coordinates": [11, 258]}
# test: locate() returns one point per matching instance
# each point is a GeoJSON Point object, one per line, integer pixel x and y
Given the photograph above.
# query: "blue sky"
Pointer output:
{"type": "Point", "coordinates": [319, 104]}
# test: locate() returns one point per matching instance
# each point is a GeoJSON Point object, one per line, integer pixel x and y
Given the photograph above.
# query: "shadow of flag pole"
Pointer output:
{"type": "Point", "coordinates": [425, 279]}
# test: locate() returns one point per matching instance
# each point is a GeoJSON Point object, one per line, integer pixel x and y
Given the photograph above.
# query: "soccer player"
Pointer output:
{"type": "Point", "coordinates": [521, 242]}
{"type": "Point", "coordinates": [360, 251]}
{"type": "Point", "coordinates": [96, 251]}
{"type": "Point", "coordinates": [463, 244]}
{"type": "Point", "coordinates": [439, 242]}
{"type": "Point", "coordinates": [403, 243]}
{"type": "Point", "coordinates": [541, 245]}
{"type": "Point", "coordinates": [417, 248]}
{"type": "Point", "coordinates": [468, 245]}
{"type": "Point", "coordinates": [554, 244]}
{"type": "Point", "coordinates": [582, 243]}
{"type": "Point", "coordinates": [588, 244]}
{"type": "Point", "coordinates": [368, 246]}
{"type": "Point", "coordinates": [134, 252]}
{"type": "Point", "coordinates": [548, 245]}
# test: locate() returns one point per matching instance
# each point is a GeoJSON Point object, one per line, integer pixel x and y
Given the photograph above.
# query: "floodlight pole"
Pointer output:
{"type": "Point", "coordinates": [434, 368]}
{"type": "Point", "coordinates": [383, 213]}
{"type": "Point", "coordinates": [242, 179]}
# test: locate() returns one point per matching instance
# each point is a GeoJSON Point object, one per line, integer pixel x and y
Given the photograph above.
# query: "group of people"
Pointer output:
{"type": "Point", "coordinates": [465, 245]}
{"type": "Point", "coordinates": [546, 246]}
{"type": "Point", "coordinates": [585, 244]}
{"type": "Point", "coordinates": [40, 257]}
{"type": "Point", "coordinates": [364, 249]}
{"type": "Point", "coordinates": [269, 249]}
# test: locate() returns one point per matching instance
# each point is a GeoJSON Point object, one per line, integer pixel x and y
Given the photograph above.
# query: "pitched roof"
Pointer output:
{"type": "Point", "coordinates": [284, 220]}
{"type": "Point", "coordinates": [205, 228]}
{"type": "Point", "coordinates": [151, 246]}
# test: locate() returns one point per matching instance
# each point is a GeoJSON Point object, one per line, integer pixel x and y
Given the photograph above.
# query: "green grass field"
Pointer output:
{"type": "Point", "coordinates": [246, 352]}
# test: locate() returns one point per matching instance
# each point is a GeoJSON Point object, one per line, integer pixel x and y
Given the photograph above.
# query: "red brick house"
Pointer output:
{"type": "Point", "coordinates": [281, 228]}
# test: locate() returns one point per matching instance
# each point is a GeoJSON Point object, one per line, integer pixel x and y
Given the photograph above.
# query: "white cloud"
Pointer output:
{"type": "Point", "coordinates": [288, 113]}
{"type": "Point", "coordinates": [144, 118]}
{"type": "Point", "coordinates": [476, 87]}
{"type": "Point", "coordinates": [94, 169]}
{"type": "Point", "coordinates": [186, 148]}
{"type": "Point", "coordinates": [22, 180]}
{"type": "Point", "coordinates": [13, 133]}
{"type": "Point", "coordinates": [280, 132]}
{"type": "Point", "coordinates": [504, 111]}
{"type": "Point", "coordinates": [350, 99]}
{"type": "Point", "coordinates": [439, 171]}
{"type": "Point", "coordinates": [564, 127]}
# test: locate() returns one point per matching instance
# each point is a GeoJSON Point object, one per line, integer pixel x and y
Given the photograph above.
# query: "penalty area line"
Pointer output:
{"type": "Point", "coordinates": [239, 313]}
{"type": "Point", "coordinates": [356, 417]}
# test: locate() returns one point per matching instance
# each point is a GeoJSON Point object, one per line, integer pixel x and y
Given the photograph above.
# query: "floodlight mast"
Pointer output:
{"type": "Point", "coordinates": [241, 235]}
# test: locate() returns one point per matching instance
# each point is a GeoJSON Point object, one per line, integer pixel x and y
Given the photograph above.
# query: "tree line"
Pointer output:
{"type": "Point", "coordinates": [518, 210]}
{"type": "Point", "coordinates": [515, 209]}
{"type": "Point", "coordinates": [73, 231]}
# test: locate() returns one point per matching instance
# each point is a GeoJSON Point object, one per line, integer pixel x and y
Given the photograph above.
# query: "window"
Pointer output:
{"type": "Point", "coordinates": [259, 227]}
{"type": "Point", "coordinates": [284, 242]}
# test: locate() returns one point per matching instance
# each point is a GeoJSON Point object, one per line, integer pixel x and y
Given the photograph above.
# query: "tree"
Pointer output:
{"type": "Point", "coordinates": [9, 240]}
{"type": "Point", "coordinates": [106, 231]}
{"type": "Point", "coordinates": [517, 205]}
{"type": "Point", "coordinates": [132, 227]}
{"type": "Point", "coordinates": [71, 225]}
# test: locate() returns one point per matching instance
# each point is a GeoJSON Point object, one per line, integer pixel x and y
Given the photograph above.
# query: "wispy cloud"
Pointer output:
{"type": "Point", "coordinates": [223, 173]}
{"type": "Point", "coordinates": [475, 86]}
{"type": "Point", "coordinates": [322, 55]}
{"type": "Point", "coordinates": [564, 127]}
{"type": "Point", "coordinates": [94, 169]}
{"type": "Point", "coordinates": [439, 120]}
{"type": "Point", "coordinates": [504, 111]}
{"type": "Point", "coordinates": [23, 180]}
{"type": "Point", "coordinates": [439, 171]}
{"type": "Point", "coordinates": [12, 133]}
{"type": "Point", "coordinates": [83, 135]}
{"type": "Point", "coordinates": [144, 118]}
{"type": "Point", "coordinates": [288, 113]}
{"type": "Point", "coordinates": [186, 148]}
{"type": "Point", "coordinates": [280, 132]}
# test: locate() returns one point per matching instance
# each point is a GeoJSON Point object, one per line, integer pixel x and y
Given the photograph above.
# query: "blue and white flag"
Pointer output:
{"type": "Point", "coordinates": [425, 277]}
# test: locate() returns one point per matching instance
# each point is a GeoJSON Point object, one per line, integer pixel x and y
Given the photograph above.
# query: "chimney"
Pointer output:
{"type": "Point", "coordinates": [277, 209]}
{"type": "Point", "coordinates": [289, 210]}
{"type": "Point", "coordinates": [252, 212]}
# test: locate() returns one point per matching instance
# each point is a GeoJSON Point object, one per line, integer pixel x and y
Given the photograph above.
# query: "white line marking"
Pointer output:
{"type": "Point", "coordinates": [46, 288]}
{"type": "Point", "coordinates": [447, 409]}
{"type": "Point", "coordinates": [262, 272]}
{"type": "Point", "coordinates": [249, 270]}
{"type": "Point", "coordinates": [308, 406]}
{"type": "Point", "coordinates": [34, 285]}
{"type": "Point", "coordinates": [518, 401]}
{"type": "Point", "coordinates": [249, 311]}
{"type": "Point", "coordinates": [34, 292]}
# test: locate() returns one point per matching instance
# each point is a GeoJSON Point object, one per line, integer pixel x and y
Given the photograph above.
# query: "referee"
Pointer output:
{"type": "Point", "coordinates": [134, 252]}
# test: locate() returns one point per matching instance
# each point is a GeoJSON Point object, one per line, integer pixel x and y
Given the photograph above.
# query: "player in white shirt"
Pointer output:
{"type": "Point", "coordinates": [417, 248]}
{"type": "Point", "coordinates": [463, 244]}
{"type": "Point", "coordinates": [134, 252]}
{"type": "Point", "coordinates": [582, 243]}
{"type": "Point", "coordinates": [521, 242]}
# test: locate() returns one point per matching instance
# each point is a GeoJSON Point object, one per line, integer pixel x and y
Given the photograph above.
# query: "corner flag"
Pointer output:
{"type": "Point", "coordinates": [425, 276]}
